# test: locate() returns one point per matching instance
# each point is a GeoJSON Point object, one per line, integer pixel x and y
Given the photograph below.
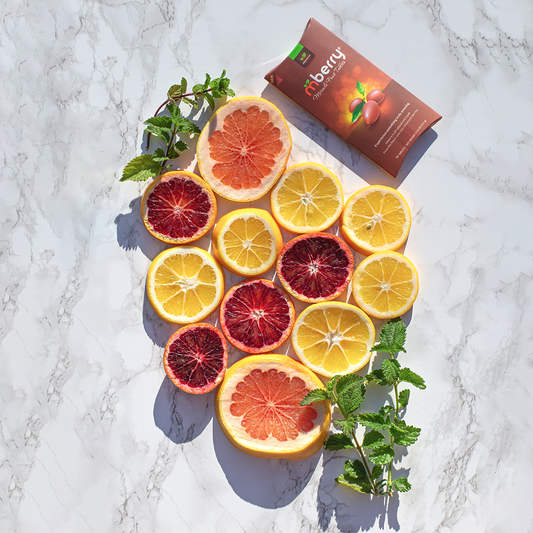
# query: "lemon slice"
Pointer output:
{"type": "Point", "coordinates": [385, 285]}
{"type": "Point", "coordinates": [184, 284]}
{"type": "Point", "coordinates": [247, 241]}
{"type": "Point", "coordinates": [375, 219]}
{"type": "Point", "coordinates": [307, 198]}
{"type": "Point", "coordinates": [333, 338]}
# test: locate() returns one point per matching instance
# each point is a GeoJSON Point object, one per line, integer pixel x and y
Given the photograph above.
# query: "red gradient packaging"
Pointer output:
{"type": "Point", "coordinates": [353, 97]}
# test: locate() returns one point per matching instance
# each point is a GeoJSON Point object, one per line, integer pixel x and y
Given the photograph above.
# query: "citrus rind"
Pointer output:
{"type": "Point", "coordinates": [306, 444]}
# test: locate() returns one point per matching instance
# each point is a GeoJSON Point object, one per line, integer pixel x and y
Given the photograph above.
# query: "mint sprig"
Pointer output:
{"type": "Point", "coordinates": [386, 429]}
{"type": "Point", "coordinates": [169, 127]}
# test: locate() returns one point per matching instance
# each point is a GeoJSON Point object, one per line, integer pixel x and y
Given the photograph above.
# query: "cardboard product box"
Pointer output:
{"type": "Point", "coordinates": [353, 97]}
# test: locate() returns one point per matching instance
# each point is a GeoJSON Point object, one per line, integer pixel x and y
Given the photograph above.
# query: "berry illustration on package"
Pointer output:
{"type": "Point", "coordinates": [367, 106]}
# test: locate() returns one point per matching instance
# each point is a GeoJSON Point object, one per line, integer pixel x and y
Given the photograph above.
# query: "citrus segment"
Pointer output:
{"type": "Point", "coordinates": [315, 267]}
{"type": "Point", "coordinates": [385, 285]}
{"type": "Point", "coordinates": [247, 241]}
{"type": "Point", "coordinates": [196, 358]}
{"type": "Point", "coordinates": [333, 338]}
{"type": "Point", "coordinates": [244, 148]}
{"type": "Point", "coordinates": [258, 408]}
{"type": "Point", "coordinates": [184, 284]}
{"type": "Point", "coordinates": [178, 207]}
{"type": "Point", "coordinates": [375, 219]}
{"type": "Point", "coordinates": [257, 316]}
{"type": "Point", "coordinates": [307, 198]}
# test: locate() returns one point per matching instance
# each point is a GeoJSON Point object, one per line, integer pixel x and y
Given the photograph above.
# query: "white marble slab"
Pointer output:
{"type": "Point", "coordinates": [94, 437]}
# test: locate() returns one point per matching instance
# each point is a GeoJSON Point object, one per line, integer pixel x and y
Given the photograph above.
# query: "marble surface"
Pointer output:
{"type": "Point", "coordinates": [94, 437]}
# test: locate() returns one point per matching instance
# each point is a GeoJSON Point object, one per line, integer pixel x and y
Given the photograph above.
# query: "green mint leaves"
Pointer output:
{"type": "Point", "coordinates": [169, 127]}
{"type": "Point", "coordinates": [385, 430]}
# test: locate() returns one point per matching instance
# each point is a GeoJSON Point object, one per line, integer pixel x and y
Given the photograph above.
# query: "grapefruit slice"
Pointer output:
{"type": "Point", "coordinates": [184, 284]}
{"type": "Point", "coordinates": [247, 241]}
{"type": "Point", "coordinates": [178, 207]}
{"type": "Point", "coordinates": [385, 285]}
{"type": "Point", "coordinates": [315, 267]}
{"type": "Point", "coordinates": [333, 338]}
{"type": "Point", "coordinates": [196, 358]}
{"type": "Point", "coordinates": [258, 408]}
{"type": "Point", "coordinates": [244, 148]}
{"type": "Point", "coordinates": [257, 316]}
{"type": "Point", "coordinates": [375, 219]}
{"type": "Point", "coordinates": [307, 198]}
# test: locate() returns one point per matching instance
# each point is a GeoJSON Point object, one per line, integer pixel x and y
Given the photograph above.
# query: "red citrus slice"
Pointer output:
{"type": "Point", "coordinates": [315, 267]}
{"type": "Point", "coordinates": [258, 408]}
{"type": "Point", "coordinates": [257, 316]}
{"type": "Point", "coordinates": [244, 148]}
{"type": "Point", "coordinates": [196, 358]}
{"type": "Point", "coordinates": [178, 207]}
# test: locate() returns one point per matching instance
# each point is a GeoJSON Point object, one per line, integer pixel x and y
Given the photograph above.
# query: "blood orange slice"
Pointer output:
{"type": "Point", "coordinates": [258, 408]}
{"type": "Point", "coordinates": [257, 316]}
{"type": "Point", "coordinates": [178, 207]}
{"type": "Point", "coordinates": [315, 267]}
{"type": "Point", "coordinates": [244, 148]}
{"type": "Point", "coordinates": [196, 358]}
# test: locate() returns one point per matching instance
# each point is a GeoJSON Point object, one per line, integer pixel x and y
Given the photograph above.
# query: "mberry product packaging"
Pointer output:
{"type": "Point", "coordinates": [353, 97]}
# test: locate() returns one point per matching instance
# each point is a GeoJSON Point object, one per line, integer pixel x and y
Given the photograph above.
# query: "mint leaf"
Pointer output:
{"type": "Point", "coordinates": [404, 435]}
{"type": "Point", "coordinates": [159, 156]}
{"type": "Point", "coordinates": [377, 376]}
{"type": "Point", "coordinates": [175, 92]}
{"type": "Point", "coordinates": [315, 395]}
{"type": "Point", "coordinates": [391, 370]}
{"type": "Point", "coordinates": [409, 376]}
{"type": "Point", "coordinates": [373, 420]}
{"type": "Point", "coordinates": [210, 100]}
{"type": "Point", "coordinates": [377, 471]}
{"type": "Point", "coordinates": [160, 126]}
{"type": "Point", "coordinates": [403, 397]}
{"type": "Point", "coordinates": [391, 337]}
{"type": "Point", "coordinates": [355, 468]}
{"type": "Point", "coordinates": [347, 426]}
{"type": "Point", "coordinates": [385, 410]}
{"type": "Point", "coordinates": [174, 111]}
{"type": "Point", "coordinates": [338, 441]}
{"type": "Point", "coordinates": [372, 439]}
{"type": "Point", "coordinates": [350, 393]}
{"type": "Point", "coordinates": [358, 484]}
{"type": "Point", "coordinates": [141, 168]}
{"type": "Point", "coordinates": [401, 484]}
{"type": "Point", "coordinates": [361, 88]}
{"type": "Point", "coordinates": [382, 455]}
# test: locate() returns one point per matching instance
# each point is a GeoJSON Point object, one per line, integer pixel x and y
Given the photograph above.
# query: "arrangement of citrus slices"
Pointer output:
{"type": "Point", "coordinates": [258, 408]}
{"type": "Point", "coordinates": [307, 198]}
{"type": "Point", "coordinates": [242, 154]}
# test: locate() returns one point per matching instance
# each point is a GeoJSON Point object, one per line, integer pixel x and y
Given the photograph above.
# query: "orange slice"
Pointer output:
{"type": "Point", "coordinates": [375, 219]}
{"type": "Point", "coordinates": [247, 241]}
{"type": "Point", "coordinates": [258, 408]}
{"type": "Point", "coordinates": [244, 148]}
{"type": "Point", "coordinates": [333, 338]}
{"type": "Point", "coordinates": [307, 198]}
{"type": "Point", "coordinates": [184, 284]}
{"type": "Point", "coordinates": [385, 285]}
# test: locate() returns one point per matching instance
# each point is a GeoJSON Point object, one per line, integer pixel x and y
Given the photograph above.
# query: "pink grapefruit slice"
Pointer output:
{"type": "Point", "coordinates": [243, 150]}
{"type": "Point", "coordinates": [258, 408]}
{"type": "Point", "coordinates": [178, 207]}
{"type": "Point", "coordinates": [257, 316]}
{"type": "Point", "coordinates": [315, 267]}
{"type": "Point", "coordinates": [196, 358]}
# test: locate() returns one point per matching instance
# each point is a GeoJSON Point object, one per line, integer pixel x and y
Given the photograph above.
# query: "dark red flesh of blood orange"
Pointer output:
{"type": "Point", "coordinates": [269, 403]}
{"type": "Point", "coordinates": [197, 358]}
{"type": "Point", "coordinates": [178, 208]}
{"type": "Point", "coordinates": [316, 266]}
{"type": "Point", "coordinates": [257, 315]}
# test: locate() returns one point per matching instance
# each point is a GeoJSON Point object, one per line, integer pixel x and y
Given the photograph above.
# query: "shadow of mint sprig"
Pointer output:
{"type": "Point", "coordinates": [168, 127]}
{"type": "Point", "coordinates": [385, 429]}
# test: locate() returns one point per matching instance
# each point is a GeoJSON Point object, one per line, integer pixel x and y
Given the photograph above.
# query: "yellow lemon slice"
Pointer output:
{"type": "Point", "coordinates": [385, 285]}
{"type": "Point", "coordinates": [375, 219]}
{"type": "Point", "coordinates": [184, 284]}
{"type": "Point", "coordinates": [333, 338]}
{"type": "Point", "coordinates": [307, 198]}
{"type": "Point", "coordinates": [258, 408]}
{"type": "Point", "coordinates": [247, 241]}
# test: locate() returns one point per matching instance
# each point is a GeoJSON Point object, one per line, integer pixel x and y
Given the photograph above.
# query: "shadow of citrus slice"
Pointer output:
{"type": "Point", "coordinates": [258, 408]}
